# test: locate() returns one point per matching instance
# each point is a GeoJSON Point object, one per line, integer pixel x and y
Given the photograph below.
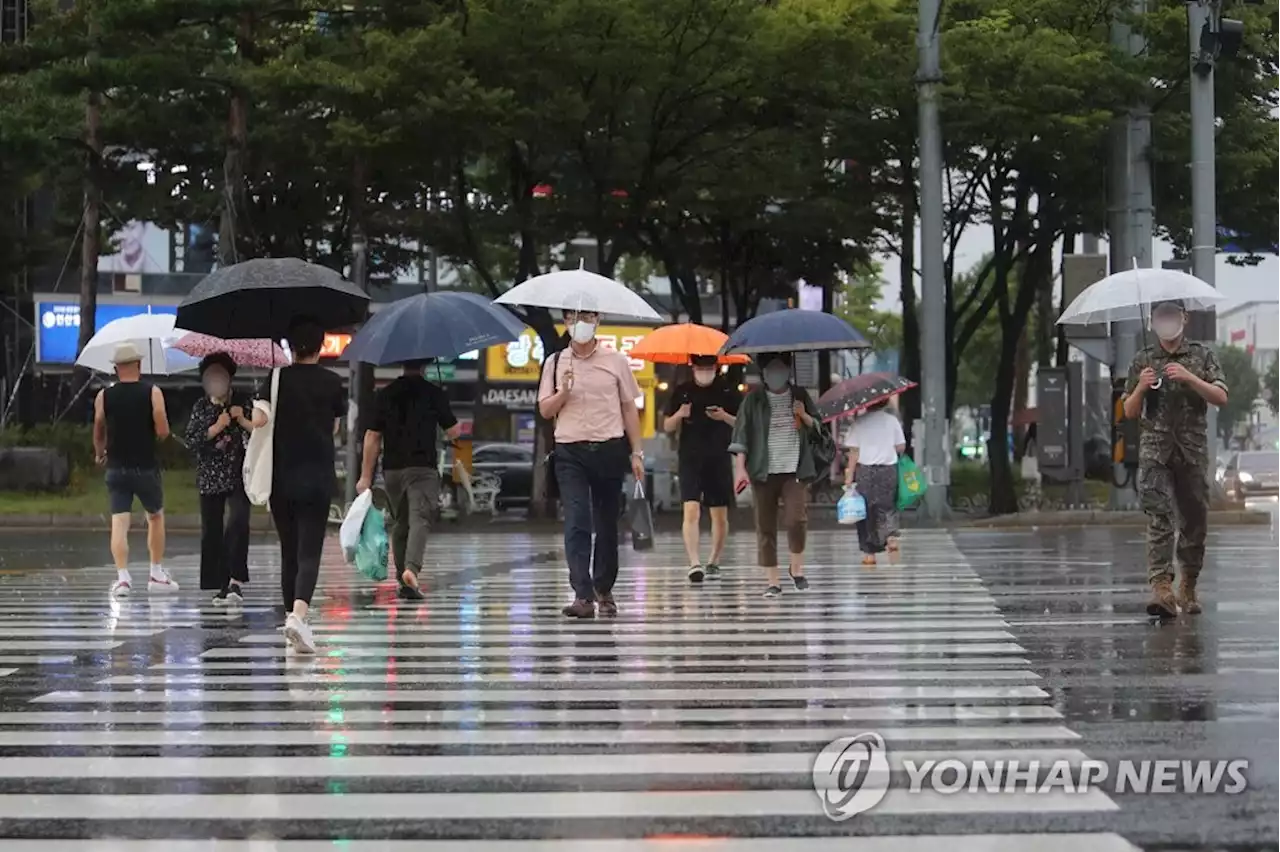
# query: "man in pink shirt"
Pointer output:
{"type": "Point", "coordinates": [591, 393]}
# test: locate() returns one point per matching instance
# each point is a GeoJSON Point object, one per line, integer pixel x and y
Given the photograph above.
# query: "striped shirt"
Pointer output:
{"type": "Point", "coordinates": [784, 437]}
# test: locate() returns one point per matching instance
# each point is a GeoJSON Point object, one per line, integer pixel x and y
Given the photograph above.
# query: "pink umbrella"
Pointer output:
{"type": "Point", "coordinates": [258, 352]}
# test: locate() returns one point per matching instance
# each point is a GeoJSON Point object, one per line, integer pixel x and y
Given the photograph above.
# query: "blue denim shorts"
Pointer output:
{"type": "Point", "coordinates": [124, 484]}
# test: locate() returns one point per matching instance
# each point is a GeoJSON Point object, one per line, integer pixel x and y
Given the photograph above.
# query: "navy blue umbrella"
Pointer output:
{"type": "Point", "coordinates": [432, 325]}
{"type": "Point", "coordinates": [793, 330]}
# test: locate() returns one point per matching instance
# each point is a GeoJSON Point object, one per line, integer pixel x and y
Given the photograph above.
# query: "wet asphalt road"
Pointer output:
{"type": "Point", "coordinates": [1202, 687]}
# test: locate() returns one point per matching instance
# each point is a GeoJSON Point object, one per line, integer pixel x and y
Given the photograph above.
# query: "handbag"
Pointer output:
{"type": "Point", "coordinates": [641, 517]}
{"type": "Point", "coordinates": [549, 460]}
{"type": "Point", "coordinates": [258, 455]}
{"type": "Point", "coordinates": [821, 442]}
{"type": "Point", "coordinates": [911, 484]}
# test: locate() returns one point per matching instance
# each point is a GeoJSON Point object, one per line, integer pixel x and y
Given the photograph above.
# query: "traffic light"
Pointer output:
{"type": "Point", "coordinates": [1125, 433]}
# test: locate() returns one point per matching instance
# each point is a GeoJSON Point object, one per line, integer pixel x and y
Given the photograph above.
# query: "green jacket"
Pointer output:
{"type": "Point", "coordinates": [751, 436]}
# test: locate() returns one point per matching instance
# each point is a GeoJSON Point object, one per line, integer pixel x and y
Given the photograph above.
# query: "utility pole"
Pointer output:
{"type": "Point", "coordinates": [933, 332]}
{"type": "Point", "coordinates": [1202, 16]}
{"type": "Point", "coordinates": [1131, 219]}
{"type": "Point", "coordinates": [360, 277]}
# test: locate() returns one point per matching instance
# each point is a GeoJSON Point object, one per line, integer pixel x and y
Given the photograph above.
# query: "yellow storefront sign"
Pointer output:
{"type": "Point", "coordinates": [521, 361]}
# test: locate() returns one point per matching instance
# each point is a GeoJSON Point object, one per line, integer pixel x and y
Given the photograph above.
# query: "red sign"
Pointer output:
{"type": "Point", "coordinates": [1238, 335]}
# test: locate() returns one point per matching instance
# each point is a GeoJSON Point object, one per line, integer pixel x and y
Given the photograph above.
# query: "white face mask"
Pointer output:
{"type": "Point", "coordinates": [1167, 329]}
{"type": "Point", "coordinates": [583, 333]}
{"type": "Point", "coordinates": [704, 377]}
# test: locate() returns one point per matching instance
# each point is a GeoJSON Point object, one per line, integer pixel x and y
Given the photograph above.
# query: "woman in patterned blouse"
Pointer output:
{"type": "Point", "coordinates": [218, 432]}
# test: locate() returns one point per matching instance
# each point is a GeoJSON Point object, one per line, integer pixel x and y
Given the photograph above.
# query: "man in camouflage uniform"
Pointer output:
{"type": "Point", "coordinates": [1171, 386]}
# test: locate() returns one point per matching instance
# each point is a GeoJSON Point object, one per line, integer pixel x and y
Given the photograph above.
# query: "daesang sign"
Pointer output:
{"type": "Point", "coordinates": [521, 360]}
{"type": "Point", "coordinates": [520, 398]}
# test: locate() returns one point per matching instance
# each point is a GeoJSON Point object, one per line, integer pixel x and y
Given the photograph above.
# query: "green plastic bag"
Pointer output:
{"type": "Point", "coordinates": [911, 484]}
{"type": "Point", "coordinates": [371, 549]}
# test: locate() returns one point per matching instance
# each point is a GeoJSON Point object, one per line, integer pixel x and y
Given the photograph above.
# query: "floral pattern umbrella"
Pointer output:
{"type": "Point", "coordinates": [859, 393]}
{"type": "Point", "coordinates": [258, 352]}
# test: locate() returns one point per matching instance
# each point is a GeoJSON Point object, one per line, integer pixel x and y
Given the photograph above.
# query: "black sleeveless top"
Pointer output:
{"type": "Point", "coordinates": [131, 427]}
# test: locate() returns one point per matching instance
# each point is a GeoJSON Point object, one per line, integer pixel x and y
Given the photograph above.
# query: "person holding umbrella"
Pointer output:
{"type": "Point", "coordinates": [407, 415]}
{"type": "Point", "coordinates": [703, 412]}
{"type": "Point", "coordinates": [774, 441]}
{"type": "Point", "coordinates": [217, 433]}
{"type": "Point", "coordinates": [129, 417]}
{"type": "Point", "coordinates": [875, 440]}
{"type": "Point", "coordinates": [308, 408]}
{"type": "Point", "coordinates": [1170, 386]}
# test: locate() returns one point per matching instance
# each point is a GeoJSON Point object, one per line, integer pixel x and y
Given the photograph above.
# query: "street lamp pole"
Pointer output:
{"type": "Point", "coordinates": [1204, 219]}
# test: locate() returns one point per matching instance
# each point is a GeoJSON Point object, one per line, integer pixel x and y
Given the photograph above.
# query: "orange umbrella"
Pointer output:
{"type": "Point", "coordinates": [676, 344]}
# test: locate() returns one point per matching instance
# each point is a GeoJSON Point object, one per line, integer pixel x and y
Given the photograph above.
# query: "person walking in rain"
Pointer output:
{"type": "Point", "coordinates": [875, 440]}
{"type": "Point", "coordinates": [703, 412]}
{"type": "Point", "coordinates": [216, 433]}
{"type": "Point", "coordinates": [773, 444]}
{"type": "Point", "coordinates": [591, 393]}
{"type": "Point", "coordinates": [128, 419]}
{"type": "Point", "coordinates": [407, 415]}
{"type": "Point", "coordinates": [1170, 387]}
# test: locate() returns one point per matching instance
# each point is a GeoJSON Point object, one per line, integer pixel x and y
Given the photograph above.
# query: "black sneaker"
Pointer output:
{"type": "Point", "coordinates": [234, 595]}
{"type": "Point", "coordinates": [713, 571]}
{"type": "Point", "coordinates": [221, 598]}
{"type": "Point", "coordinates": [409, 593]}
{"type": "Point", "coordinates": [773, 592]}
{"type": "Point", "coordinates": [696, 574]}
{"type": "Point", "coordinates": [802, 582]}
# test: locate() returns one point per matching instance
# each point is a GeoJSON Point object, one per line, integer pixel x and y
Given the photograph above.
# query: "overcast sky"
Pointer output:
{"type": "Point", "coordinates": [1240, 284]}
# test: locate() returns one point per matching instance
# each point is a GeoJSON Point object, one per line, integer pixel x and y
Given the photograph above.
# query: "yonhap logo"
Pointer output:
{"type": "Point", "coordinates": [851, 775]}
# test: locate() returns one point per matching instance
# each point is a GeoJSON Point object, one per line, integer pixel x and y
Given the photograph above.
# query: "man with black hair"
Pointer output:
{"type": "Point", "coordinates": [703, 412]}
{"type": "Point", "coordinates": [407, 414]}
{"type": "Point", "coordinates": [1170, 388]}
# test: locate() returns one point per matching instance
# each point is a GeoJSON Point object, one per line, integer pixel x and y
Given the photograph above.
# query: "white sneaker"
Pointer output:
{"type": "Point", "coordinates": [161, 583]}
{"type": "Point", "coordinates": [120, 589]}
{"type": "Point", "coordinates": [298, 634]}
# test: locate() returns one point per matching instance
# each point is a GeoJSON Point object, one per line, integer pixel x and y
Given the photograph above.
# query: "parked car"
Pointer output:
{"type": "Point", "coordinates": [1253, 473]}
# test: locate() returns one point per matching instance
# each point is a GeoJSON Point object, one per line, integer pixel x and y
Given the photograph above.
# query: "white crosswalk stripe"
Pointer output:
{"type": "Point", "coordinates": [482, 713]}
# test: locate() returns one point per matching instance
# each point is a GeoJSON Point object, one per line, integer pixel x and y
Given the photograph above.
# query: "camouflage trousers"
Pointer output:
{"type": "Point", "coordinates": [1175, 498]}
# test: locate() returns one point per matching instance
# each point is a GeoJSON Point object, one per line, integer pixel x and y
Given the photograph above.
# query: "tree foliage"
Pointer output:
{"type": "Point", "coordinates": [1244, 385]}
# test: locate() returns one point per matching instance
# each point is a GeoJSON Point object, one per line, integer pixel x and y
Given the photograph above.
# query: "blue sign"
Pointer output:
{"type": "Point", "coordinates": [58, 326]}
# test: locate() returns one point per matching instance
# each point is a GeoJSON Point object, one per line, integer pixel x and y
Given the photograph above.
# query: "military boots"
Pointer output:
{"type": "Point", "coordinates": [1163, 603]}
{"type": "Point", "coordinates": [1187, 595]}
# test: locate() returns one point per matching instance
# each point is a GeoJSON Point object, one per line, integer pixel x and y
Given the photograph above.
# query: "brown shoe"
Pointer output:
{"type": "Point", "coordinates": [580, 609]}
{"type": "Point", "coordinates": [1163, 604]}
{"type": "Point", "coordinates": [606, 605]}
{"type": "Point", "coordinates": [1187, 596]}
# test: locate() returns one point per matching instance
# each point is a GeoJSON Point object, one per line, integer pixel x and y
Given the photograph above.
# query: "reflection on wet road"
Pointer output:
{"type": "Point", "coordinates": [480, 721]}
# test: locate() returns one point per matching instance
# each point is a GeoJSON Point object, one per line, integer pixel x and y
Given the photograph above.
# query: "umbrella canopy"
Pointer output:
{"type": "Point", "coordinates": [579, 290]}
{"type": "Point", "coordinates": [678, 344]}
{"type": "Point", "coordinates": [153, 334]}
{"type": "Point", "coordinates": [1129, 295]}
{"type": "Point", "coordinates": [794, 330]}
{"type": "Point", "coordinates": [246, 353]}
{"type": "Point", "coordinates": [261, 298]}
{"type": "Point", "coordinates": [855, 395]}
{"type": "Point", "coordinates": [433, 325]}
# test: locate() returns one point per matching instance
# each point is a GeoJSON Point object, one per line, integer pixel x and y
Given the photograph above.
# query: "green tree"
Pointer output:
{"type": "Point", "coordinates": [1271, 385]}
{"type": "Point", "coordinates": [1244, 384]}
{"type": "Point", "coordinates": [860, 295]}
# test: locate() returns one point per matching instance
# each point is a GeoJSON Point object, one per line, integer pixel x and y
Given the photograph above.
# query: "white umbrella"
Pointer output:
{"type": "Point", "coordinates": [153, 334]}
{"type": "Point", "coordinates": [579, 290]}
{"type": "Point", "coordinates": [1129, 295]}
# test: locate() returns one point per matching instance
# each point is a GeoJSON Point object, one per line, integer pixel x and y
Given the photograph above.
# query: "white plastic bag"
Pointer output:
{"type": "Point", "coordinates": [851, 508]}
{"type": "Point", "coordinates": [259, 454]}
{"type": "Point", "coordinates": [349, 532]}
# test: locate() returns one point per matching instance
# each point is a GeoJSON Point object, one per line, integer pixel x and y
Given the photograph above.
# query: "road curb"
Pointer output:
{"type": "Point", "coordinates": [1028, 520]}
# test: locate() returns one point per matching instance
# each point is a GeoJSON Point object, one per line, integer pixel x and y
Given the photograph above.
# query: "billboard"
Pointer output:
{"type": "Point", "coordinates": [521, 361]}
{"type": "Point", "coordinates": [58, 326]}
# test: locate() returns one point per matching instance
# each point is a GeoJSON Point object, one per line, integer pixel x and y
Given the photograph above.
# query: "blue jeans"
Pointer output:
{"type": "Point", "coordinates": [590, 479]}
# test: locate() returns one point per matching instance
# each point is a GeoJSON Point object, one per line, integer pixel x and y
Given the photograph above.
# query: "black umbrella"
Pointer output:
{"type": "Point", "coordinates": [857, 394]}
{"type": "Point", "coordinates": [261, 298]}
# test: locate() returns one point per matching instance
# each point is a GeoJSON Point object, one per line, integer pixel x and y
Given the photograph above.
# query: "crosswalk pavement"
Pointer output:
{"type": "Point", "coordinates": [480, 720]}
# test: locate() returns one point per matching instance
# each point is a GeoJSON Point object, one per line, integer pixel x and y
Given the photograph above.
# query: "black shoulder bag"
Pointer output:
{"type": "Point", "coordinates": [549, 460]}
{"type": "Point", "coordinates": [821, 441]}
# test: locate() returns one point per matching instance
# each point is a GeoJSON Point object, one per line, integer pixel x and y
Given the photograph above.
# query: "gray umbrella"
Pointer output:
{"type": "Point", "coordinates": [261, 298]}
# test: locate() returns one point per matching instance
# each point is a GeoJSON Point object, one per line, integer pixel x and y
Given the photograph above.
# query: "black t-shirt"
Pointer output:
{"type": "Point", "coordinates": [310, 398]}
{"type": "Point", "coordinates": [131, 426]}
{"type": "Point", "coordinates": [699, 434]}
{"type": "Point", "coordinates": [407, 414]}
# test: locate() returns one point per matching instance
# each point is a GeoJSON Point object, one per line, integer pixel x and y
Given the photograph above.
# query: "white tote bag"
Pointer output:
{"type": "Point", "coordinates": [258, 456]}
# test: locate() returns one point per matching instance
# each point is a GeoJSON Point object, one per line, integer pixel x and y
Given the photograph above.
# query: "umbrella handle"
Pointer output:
{"type": "Point", "coordinates": [1159, 382]}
